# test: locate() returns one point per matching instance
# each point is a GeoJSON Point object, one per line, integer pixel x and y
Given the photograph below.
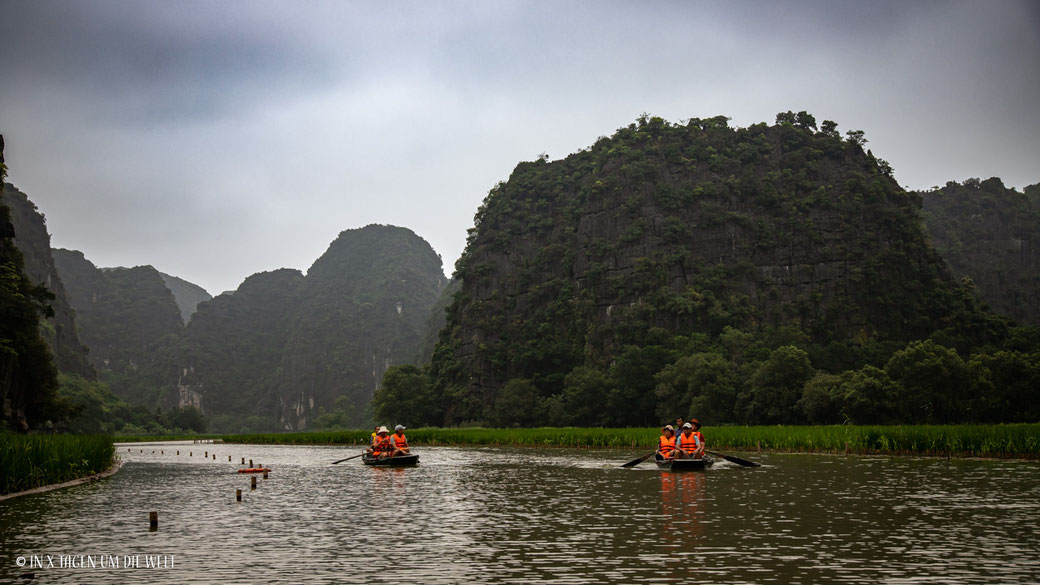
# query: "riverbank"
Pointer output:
{"type": "Point", "coordinates": [35, 461]}
{"type": "Point", "coordinates": [1019, 441]}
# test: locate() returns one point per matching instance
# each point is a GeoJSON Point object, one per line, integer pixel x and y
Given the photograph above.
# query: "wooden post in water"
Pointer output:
{"type": "Point", "coordinates": [178, 451]}
{"type": "Point", "coordinates": [153, 521]}
{"type": "Point", "coordinates": [252, 483]}
{"type": "Point", "coordinates": [846, 448]}
{"type": "Point", "coordinates": [189, 453]}
{"type": "Point", "coordinates": [243, 461]}
{"type": "Point", "coordinates": [238, 495]}
{"type": "Point", "coordinates": [265, 474]}
{"type": "Point", "coordinates": [214, 456]}
{"type": "Point", "coordinates": [759, 446]}
{"type": "Point", "coordinates": [250, 463]}
{"type": "Point", "coordinates": [161, 452]}
{"type": "Point", "coordinates": [229, 459]}
{"type": "Point", "coordinates": [205, 454]}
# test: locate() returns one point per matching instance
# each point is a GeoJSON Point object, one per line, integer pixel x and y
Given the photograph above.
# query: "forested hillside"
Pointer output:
{"type": "Point", "coordinates": [991, 234]}
{"type": "Point", "coordinates": [764, 274]}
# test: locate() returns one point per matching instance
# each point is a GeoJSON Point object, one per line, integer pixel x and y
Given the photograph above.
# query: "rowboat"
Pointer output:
{"type": "Point", "coordinates": [685, 464]}
{"type": "Point", "coordinates": [399, 461]}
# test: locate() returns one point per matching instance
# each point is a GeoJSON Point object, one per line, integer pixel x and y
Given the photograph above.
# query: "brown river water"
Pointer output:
{"type": "Point", "coordinates": [521, 515]}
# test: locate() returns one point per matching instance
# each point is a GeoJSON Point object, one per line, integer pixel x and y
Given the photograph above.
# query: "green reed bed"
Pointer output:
{"type": "Point", "coordinates": [1012, 440]}
{"type": "Point", "coordinates": [29, 461]}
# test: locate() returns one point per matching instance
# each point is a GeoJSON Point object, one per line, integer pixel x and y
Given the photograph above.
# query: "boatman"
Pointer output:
{"type": "Point", "coordinates": [666, 443]}
{"type": "Point", "coordinates": [400, 443]}
{"type": "Point", "coordinates": [701, 445]}
{"type": "Point", "coordinates": [383, 446]}
{"type": "Point", "coordinates": [687, 444]}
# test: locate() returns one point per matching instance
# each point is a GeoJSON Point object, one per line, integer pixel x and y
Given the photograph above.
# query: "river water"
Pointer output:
{"type": "Point", "coordinates": [513, 515]}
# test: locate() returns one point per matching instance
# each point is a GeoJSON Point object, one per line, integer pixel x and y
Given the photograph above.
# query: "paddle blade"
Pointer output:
{"type": "Point", "coordinates": [737, 460]}
{"type": "Point", "coordinates": [635, 462]}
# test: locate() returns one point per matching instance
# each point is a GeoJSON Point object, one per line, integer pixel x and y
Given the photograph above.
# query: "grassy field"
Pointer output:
{"type": "Point", "coordinates": [1013, 440]}
{"type": "Point", "coordinates": [28, 461]}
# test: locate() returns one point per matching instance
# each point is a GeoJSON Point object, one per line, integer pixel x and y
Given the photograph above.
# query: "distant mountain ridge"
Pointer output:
{"type": "Point", "coordinates": [285, 347]}
{"type": "Point", "coordinates": [123, 315]}
{"type": "Point", "coordinates": [187, 295]}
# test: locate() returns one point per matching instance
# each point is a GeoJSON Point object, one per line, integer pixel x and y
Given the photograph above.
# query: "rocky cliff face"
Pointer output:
{"type": "Point", "coordinates": [285, 345]}
{"type": "Point", "coordinates": [124, 315]}
{"type": "Point", "coordinates": [686, 229]}
{"type": "Point", "coordinates": [31, 237]}
{"type": "Point", "coordinates": [991, 234]}
{"type": "Point", "coordinates": [28, 377]}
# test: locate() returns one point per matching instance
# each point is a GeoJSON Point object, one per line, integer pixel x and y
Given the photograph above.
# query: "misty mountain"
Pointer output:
{"type": "Point", "coordinates": [187, 295]}
{"type": "Point", "coordinates": [285, 346]}
{"type": "Point", "coordinates": [124, 315]}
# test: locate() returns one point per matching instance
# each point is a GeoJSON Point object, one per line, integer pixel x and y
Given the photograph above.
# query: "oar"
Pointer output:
{"type": "Point", "coordinates": [347, 459]}
{"type": "Point", "coordinates": [635, 462]}
{"type": "Point", "coordinates": [737, 460]}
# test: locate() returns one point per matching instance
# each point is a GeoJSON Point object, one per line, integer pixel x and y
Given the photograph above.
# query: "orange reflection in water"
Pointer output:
{"type": "Point", "coordinates": [681, 495]}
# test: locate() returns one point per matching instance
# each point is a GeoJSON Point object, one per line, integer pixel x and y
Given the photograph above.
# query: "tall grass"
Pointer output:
{"type": "Point", "coordinates": [1013, 440]}
{"type": "Point", "coordinates": [28, 461]}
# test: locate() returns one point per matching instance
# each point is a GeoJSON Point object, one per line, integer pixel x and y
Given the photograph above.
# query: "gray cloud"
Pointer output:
{"type": "Point", "coordinates": [213, 140]}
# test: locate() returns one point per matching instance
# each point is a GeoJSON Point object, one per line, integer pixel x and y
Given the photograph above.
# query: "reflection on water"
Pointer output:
{"type": "Point", "coordinates": [531, 516]}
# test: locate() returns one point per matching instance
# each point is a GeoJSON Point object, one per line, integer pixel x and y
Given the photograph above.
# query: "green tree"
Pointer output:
{"type": "Point", "coordinates": [935, 381]}
{"type": "Point", "coordinates": [406, 395]}
{"type": "Point", "coordinates": [701, 385]}
{"type": "Point", "coordinates": [517, 404]}
{"type": "Point", "coordinates": [776, 386]}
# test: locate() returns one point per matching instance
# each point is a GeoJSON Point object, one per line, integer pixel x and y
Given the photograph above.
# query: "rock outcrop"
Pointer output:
{"type": "Point", "coordinates": [31, 237]}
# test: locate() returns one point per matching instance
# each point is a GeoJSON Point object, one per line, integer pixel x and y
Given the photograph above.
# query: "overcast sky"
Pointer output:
{"type": "Point", "coordinates": [214, 140]}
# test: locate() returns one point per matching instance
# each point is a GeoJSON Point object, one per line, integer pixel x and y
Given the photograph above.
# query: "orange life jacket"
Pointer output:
{"type": "Point", "coordinates": [382, 444]}
{"type": "Point", "coordinates": [687, 443]}
{"type": "Point", "coordinates": [667, 446]}
{"type": "Point", "coordinates": [399, 441]}
{"type": "Point", "coordinates": [699, 436]}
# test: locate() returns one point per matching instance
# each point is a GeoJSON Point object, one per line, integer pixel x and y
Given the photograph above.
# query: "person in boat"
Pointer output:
{"type": "Point", "coordinates": [400, 443]}
{"type": "Point", "coordinates": [383, 446]}
{"type": "Point", "coordinates": [687, 445]}
{"type": "Point", "coordinates": [666, 443]}
{"type": "Point", "coordinates": [702, 446]}
{"type": "Point", "coordinates": [679, 422]}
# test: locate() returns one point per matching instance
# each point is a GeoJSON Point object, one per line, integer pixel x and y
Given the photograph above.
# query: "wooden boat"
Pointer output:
{"type": "Point", "coordinates": [399, 461]}
{"type": "Point", "coordinates": [685, 464]}
{"type": "Point", "coordinates": [254, 469]}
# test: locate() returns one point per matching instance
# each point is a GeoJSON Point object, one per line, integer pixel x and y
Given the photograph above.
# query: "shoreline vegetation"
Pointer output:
{"type": "Point", "coordinates": [1017, 441]}
{"type": "Point", "coordinates": [34, 461]}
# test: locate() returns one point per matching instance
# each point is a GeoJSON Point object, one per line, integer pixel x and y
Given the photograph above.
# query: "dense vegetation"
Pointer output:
{"type": "Point", "coordinates": [760, 275]}
{"type": "Point", "coordinates": [990, 234]}
{"type": "Point", "coordinates": [28, 461]}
